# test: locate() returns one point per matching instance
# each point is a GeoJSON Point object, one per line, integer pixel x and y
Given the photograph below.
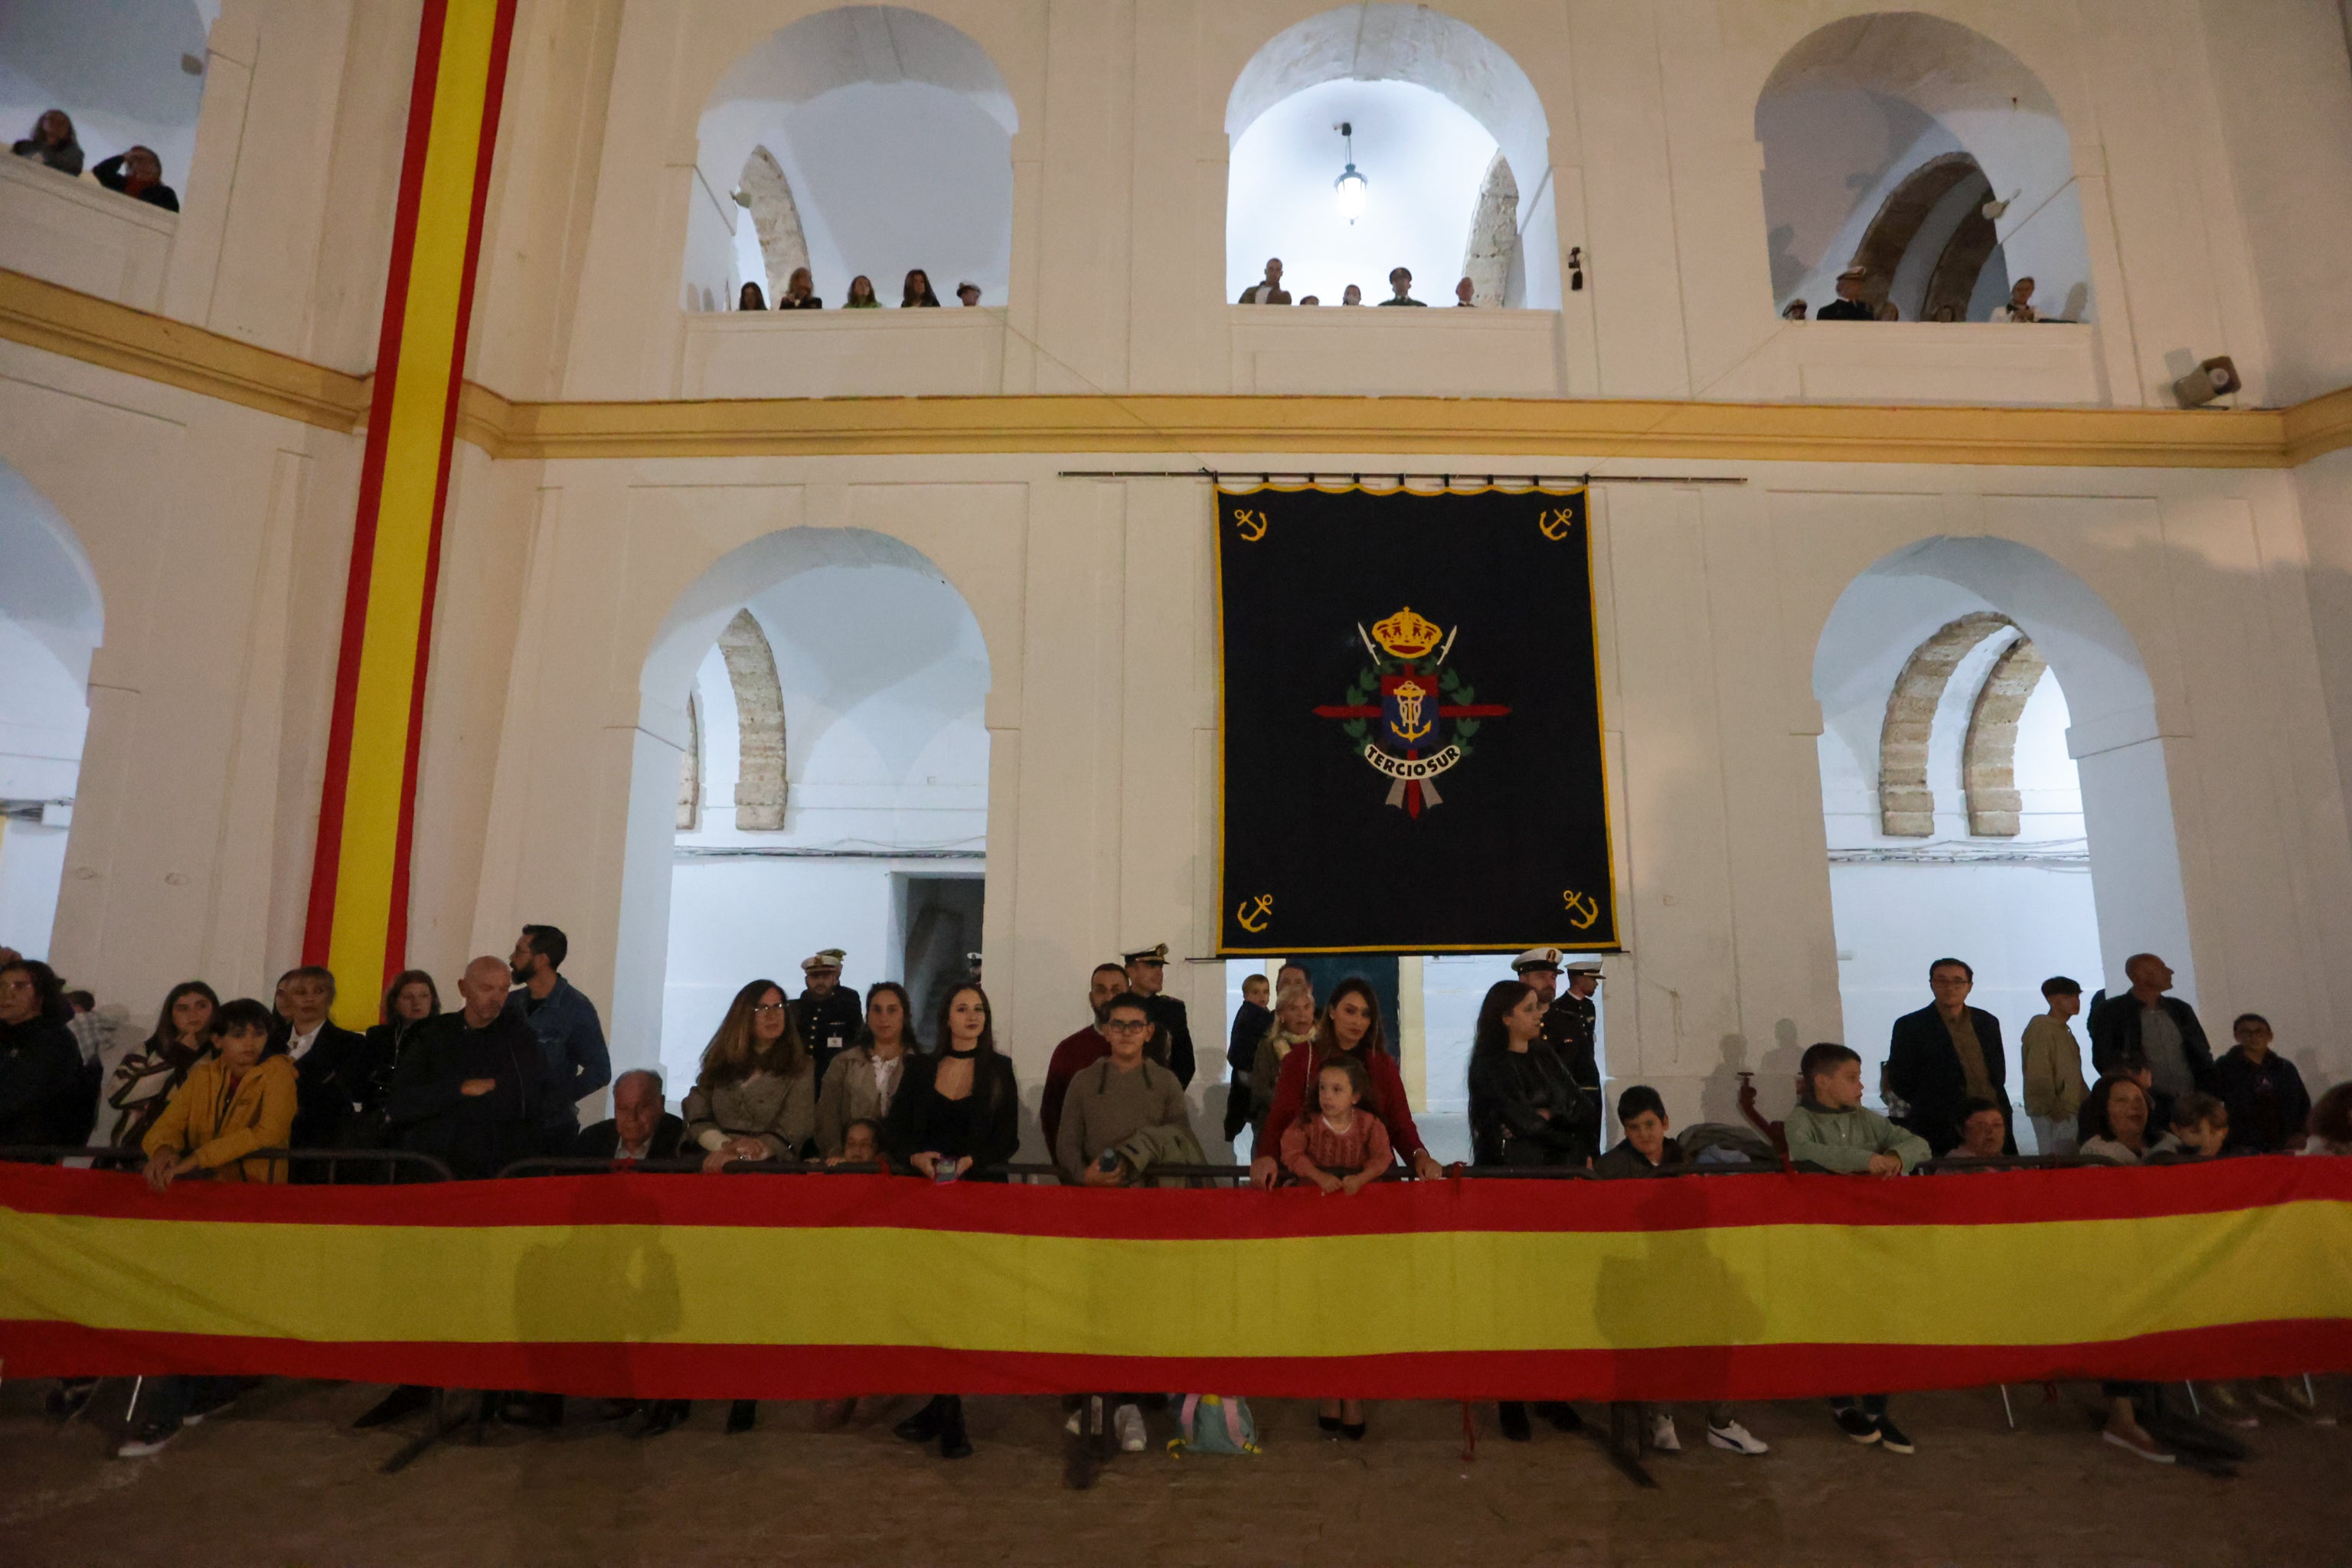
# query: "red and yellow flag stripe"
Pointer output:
{"type": "Point", "coordinates": [1765, 1286]}
{"type": "Point", "coordinates": [358, 880]}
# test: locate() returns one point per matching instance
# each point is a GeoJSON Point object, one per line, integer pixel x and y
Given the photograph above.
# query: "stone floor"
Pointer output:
{"type": "Point", "coordinates": [281, 1480]}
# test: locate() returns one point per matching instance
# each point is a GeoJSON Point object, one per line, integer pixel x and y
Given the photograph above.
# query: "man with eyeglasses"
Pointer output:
{"type": "Point", "coordinates": [1122, 1116]}
{"type": "Point", "coordinates": [1172, 1045]}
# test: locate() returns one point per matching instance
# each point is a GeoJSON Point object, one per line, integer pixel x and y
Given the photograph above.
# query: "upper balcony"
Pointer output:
{"type": "Point", "coordinates": [78, 233]}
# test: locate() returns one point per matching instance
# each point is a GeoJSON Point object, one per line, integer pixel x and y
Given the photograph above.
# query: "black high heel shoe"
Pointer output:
{"type": "Point", "coordinates": [925, 1424]}
{"type": "Point", "coordinates": [741, 1415]}
{"type": "Point", "coordinates": [1353, 1431]}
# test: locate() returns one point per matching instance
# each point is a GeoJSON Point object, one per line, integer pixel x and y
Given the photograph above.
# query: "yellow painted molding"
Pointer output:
{"type": "Point", "coordinates": [1595, 429]}
{"type": "Point", "coordinates": [1583, 430]}
{"type": "Point", "coordinates": [155, 348]}
{"type": "Point", "coordinates": [2318, 426]}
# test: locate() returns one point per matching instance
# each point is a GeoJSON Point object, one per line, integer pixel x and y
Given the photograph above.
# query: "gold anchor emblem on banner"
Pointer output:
{"type": "Point", "coordinates": [1259, 911]}
{"type": "Point", "coordinates": [1583, 908]}
{"type": "Point", "coordinates": [1251, 523]}
{"type": "Point", "coordinates": [1558, 524]}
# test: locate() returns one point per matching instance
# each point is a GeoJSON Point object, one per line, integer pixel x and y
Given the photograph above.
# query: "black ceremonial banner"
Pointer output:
{"type": "Point", "coordinates": [1410, 734]}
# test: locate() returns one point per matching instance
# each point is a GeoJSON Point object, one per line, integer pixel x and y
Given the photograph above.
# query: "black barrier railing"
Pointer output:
{"type": "Point", "coordinates": [390, 1161]}
{"type": "Point", "coordinates": [582, 1166]}
{"type": "Point", "coordinates": [1945, 1162]}
{"type": "Point", "coordinates": [405, 1165]}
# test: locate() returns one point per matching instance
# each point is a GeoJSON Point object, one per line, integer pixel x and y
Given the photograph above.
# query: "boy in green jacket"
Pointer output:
{"type": "Point", "coordinates": [1829, 1127]}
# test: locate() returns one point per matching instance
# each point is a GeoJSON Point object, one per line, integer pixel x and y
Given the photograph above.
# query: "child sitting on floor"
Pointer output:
{"type": "Point", "coordinates": [1829, 1127]}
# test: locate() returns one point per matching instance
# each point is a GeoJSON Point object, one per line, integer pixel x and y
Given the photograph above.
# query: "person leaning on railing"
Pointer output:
{"type": "Point", "coordinates": [1523, 1103]}
{"type": "Point", "coordinates": [233, 1102]}
{"type": "Point", "coordinates": [1352, 1025]}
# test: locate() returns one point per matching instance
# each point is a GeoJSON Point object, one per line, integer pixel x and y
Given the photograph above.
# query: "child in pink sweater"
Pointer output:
{"type": "Point", "coordinates": [1342, 1136]}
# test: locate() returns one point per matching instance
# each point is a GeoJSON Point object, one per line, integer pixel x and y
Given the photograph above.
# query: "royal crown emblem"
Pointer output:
{"type": "Point", "coordinates": [1419, 697]}
{"type": "Point", "coordinates": [1406, 634]}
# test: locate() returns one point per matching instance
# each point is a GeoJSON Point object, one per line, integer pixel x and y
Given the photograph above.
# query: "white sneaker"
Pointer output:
{"type": "Point", "coordinates": [1071, 1425]}
{"type": "Point", "coordinates": [142, 1443]}
{"type": "Point", "coordinates": [1128, 1423]}
{"type": "Point", "coordinates": [1731, 1434]}
{"type": "Point", "coordinates": [1663, 1436]}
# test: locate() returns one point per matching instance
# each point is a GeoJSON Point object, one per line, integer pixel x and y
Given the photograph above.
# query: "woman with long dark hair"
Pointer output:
{"type": "Point", "coordinates": [142, 1084]}
{"type": "Point", "coordinates": [954, 1110]}
{"type": "Point", "coordinates": [1350, 1023]}
{"type": "Point", "coordinates": [755, 1096]}
{"type": "Point", "coordinates": [749, 298]}
{"type": "Point", "coordinates": [863, 1081]}
{"type": "Point", "coordinates": [861, 294]}
{"type": "Point", "coordinates": [52, 142]}
{"type": "Point", "coordinates": [918, 290]}
{"type": "Point", "coordinates": [1522, 1101]}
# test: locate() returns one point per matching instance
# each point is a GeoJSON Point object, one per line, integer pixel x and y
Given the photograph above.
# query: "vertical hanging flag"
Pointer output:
{"type": "Point", "coordinates": [357, 922]}
{"type": "Point", "coordinates": [1409, 727]}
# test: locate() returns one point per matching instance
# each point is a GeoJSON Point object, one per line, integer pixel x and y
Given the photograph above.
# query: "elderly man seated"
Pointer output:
{"type": "Point", "coordinates": [639, 1128]}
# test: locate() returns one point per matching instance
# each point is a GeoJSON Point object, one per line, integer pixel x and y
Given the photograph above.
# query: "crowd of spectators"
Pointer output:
{"type": "Point", "coordinates": [135, 171]}
{"type": "Point", "coordinates": [218, 1090]}
{"type": "Point", "coordinates": [800, 293]}
{"type": "Point", "coordinates": [1268, 291]}
{"type": "Point", "coordinates": [1853, 284]}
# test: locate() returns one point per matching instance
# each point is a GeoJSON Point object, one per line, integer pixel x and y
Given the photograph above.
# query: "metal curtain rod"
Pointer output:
{"type": "Point", "coordinates": [1447, 479]}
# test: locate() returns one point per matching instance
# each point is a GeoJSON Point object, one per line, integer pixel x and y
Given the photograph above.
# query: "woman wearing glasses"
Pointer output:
{"type": "Point", "coordinates": [755, 1098]}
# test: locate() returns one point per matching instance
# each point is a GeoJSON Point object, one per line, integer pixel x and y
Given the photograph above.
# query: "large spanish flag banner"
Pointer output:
{"type": "Point", "coordinates": [1763, 1286]}
{"type": "Point", "coordinates": [358, 919]}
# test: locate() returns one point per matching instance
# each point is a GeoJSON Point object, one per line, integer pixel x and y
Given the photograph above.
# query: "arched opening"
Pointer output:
{"type": "Point", "coordinates": [887, 135]}
{"type": "Point", "coordinates": [50, 621]}
{"type": "Point", "coordinates": [1447, 129]}
{"type": "Point", "coordinates": [1993, 786]}
{"type": "Point", "coordinates": [131, 76]}
{"type": "Point", "coordinates": [852, 656]}
{"type": "Point", "coordinates": [1927, 154]}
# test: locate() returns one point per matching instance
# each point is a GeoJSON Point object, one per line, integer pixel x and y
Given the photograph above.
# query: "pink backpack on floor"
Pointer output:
{"type": "Point", "coordinates": [1213, 1424]}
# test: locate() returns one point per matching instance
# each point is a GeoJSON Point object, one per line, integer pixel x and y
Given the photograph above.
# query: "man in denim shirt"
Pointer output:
{"type": "Point", "coordinates": [569, 1034]}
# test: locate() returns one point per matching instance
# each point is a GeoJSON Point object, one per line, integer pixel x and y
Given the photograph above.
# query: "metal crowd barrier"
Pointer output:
{"type": "Point", "coordinates": [586, 1165]}
{"type": "Point", "coordinates": [391, 1161]}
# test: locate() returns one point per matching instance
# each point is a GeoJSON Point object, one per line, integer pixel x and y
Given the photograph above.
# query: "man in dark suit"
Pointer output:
{"type": "Point", "coordinates": [639, 1128]}
{"type": "Point", "coordinates": [1171, 1043]}
{"type": "Point", "coordinates": [1944, 1055]}
{"type": "Point", "coordinates": [332, 1081]}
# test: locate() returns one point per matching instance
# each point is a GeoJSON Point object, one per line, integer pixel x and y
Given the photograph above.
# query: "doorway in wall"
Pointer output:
{"type": "Point", "coordinates": [938, 923]}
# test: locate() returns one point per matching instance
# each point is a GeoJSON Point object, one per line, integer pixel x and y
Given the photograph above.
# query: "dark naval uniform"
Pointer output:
{"type": "Point", "coordinates": [1171, 1041]}
{"type": "Point", "coordinates": [1568, 1028]}
{"type": "Point", "coordinates": [829, 1025]}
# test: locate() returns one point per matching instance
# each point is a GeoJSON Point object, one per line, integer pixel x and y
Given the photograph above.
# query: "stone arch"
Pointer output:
{"type": "Point", "coordinates": [891, 129]}
{"type": "Point", "coordinates": [1856, 108]}
{"type": "Point", "coordinates": [1380, 41]}
{"type": "Point", "coordinates": [2113, 738]}
{"type": "Point", "coordinates": [766, 197]}
{"type": "Point", "coordinates": [1930, 243]}
{"type": "Point", "coordinates": [1490, 257]}
{"type": "Point", "coordinates": [1906, 801]}
{"type": "Point", "coordinates": [760, 719]}
{"type": "Point", "coordinates": [1989, 755]}
{"type": "Point", "coordinates": [51, 621]}
{"type": "Point", "coordinates": [703, 611]}
{"type": "Point", "coordinates": [689, 769]}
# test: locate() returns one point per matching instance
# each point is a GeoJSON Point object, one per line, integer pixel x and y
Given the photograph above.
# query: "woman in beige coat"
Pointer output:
{"type": "Point", "coordinates": [863, 1080]}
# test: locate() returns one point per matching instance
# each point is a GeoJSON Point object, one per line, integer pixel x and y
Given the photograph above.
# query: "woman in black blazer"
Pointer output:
{"type": "Point", "coordinates": [957, 1110]}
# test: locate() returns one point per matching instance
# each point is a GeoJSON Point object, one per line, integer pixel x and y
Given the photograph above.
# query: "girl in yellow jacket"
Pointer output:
{"type": "Point", "coordinates": [232, 1103]}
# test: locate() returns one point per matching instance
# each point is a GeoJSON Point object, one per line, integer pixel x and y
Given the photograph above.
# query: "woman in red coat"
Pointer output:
{"type": "Point", "coordinates": [1350, 1026]}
